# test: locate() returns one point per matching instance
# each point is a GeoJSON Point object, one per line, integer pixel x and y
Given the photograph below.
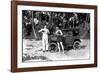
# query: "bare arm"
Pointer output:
{"type": "Point", "coordinates": [40, 30]}
{"type": "Point", "coordinates": [48, 31]}
{"type": "Point", "coordinates": [59, 32]}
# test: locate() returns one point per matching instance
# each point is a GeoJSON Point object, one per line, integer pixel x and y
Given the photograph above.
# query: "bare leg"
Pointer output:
{"type": "Point", "coordinates": [62, 47]}
{"type": "Point", "coordinates": [58, 46]}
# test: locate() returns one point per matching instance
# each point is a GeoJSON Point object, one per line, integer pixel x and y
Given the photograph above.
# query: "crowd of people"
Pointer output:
{"type": "Point", "coordinates": [33, 21]}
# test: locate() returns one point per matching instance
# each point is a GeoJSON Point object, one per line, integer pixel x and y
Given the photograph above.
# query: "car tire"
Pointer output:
{"type": "Point", "coordinates": [53, 47]}
{"type": "Point", "coordinates": [77, 45]}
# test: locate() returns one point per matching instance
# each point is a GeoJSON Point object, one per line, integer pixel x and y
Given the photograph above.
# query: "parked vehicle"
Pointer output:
{"type": "Point", "coordinates": [70, 38]}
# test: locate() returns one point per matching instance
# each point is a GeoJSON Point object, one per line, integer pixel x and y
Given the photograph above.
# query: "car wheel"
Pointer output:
{"type": "Point", "coordinates": [76, 45]}
{"type": "Point", "coordinates": [53, 47]}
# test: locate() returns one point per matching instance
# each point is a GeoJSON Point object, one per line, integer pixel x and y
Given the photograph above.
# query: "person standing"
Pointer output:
{"type": "Point", "coordinates": [45, 32]}
{"type": "Point", "coordinates": [59, 40]}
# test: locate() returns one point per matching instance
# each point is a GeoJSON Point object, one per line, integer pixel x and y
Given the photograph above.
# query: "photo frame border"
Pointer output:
{"type": "Point", "coordinates": [14, 5]}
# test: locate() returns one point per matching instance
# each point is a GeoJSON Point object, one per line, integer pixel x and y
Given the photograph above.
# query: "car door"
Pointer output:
{"type": "Point", "coordinates": [69, 38]}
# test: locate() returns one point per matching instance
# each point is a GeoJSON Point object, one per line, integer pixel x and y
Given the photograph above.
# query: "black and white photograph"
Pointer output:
{"type": "Point", "coordinates": [50, 36]}
{"type": "Point", "coordinates": [55, 36]}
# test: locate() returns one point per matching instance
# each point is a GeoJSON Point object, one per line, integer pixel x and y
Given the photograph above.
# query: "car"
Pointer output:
{"type": "Point", "coordinates": [70, 38]}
